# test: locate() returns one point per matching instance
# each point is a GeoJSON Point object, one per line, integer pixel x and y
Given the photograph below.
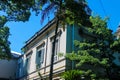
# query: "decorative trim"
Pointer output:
{"type": "Point", "coordinates": [42, 68]}
{"type": "Point", "coordinates": [29, 53]}
{"type": "Point", "coordinates": [57, 72]}
{"type": "Point", "coordinates": [40, 32]}
{"type": "Point", "coordinates": [41, 45]}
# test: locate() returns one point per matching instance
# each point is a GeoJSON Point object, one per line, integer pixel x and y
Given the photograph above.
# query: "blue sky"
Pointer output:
{"type": "Point", "coordinates": [21, 32]}
{"type": "Point", "coordinates": [109, 8]}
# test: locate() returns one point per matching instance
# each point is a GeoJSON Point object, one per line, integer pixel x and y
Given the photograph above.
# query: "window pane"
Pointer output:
{"type": "Point", "coordinates": [42, 55]}
{"type": "Point", "coordinates": [39, 54]}
{"type": "Point", "coordinates": [39, 57]}
{"type": "Point", "coordinates": [56, 50]}
{"type": "Point", "coordinates": [27, 65]}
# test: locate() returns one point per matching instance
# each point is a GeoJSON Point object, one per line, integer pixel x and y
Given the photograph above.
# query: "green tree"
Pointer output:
{"type": "Point", "coordinates": [4, 43]}
{"type": "Point", "coordinates": [96, 52]}
{"type": "Point", "coordinates": [67, 11]}
{"type": "Point", "coordinates": [14, 10]}
{"type": "Point", "coordinates": [78, 75]}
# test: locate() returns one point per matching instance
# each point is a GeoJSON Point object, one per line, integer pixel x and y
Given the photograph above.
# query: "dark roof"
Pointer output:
{"type": "Point", "coordinates": [40, 32]}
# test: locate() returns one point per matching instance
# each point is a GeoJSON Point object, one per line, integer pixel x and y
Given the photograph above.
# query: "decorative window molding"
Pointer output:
{"type": "Point", "coordinates": [40, 50]}
{"type": "Point", "coordinates": [28, 62]}
{"type": "Point", "coordinates": [41, 45]}
{"type": "Point", "coordinates": [58, 35]}
{"type": "Point", "coordinates": [57, 45]}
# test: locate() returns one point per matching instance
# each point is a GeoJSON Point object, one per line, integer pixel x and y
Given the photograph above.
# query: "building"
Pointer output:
{"type": "Point", "coordinates": [38, 50]}
{"type": "Point", "coordinates": [118, 32]}
{"type": "Point", "coordinates": [8, 67]}
{"type": "Point", "coordinates": [117, 55]}
{"type": "Point", "coordinates": [34, 64]}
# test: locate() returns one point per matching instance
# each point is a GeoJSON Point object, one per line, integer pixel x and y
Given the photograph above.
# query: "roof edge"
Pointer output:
{"type": "Point", "coordinates": [39, 32]}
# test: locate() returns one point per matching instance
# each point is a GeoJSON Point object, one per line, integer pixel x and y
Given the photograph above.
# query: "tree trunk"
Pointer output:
{"type": "Point", "coordinates": [53, 49]}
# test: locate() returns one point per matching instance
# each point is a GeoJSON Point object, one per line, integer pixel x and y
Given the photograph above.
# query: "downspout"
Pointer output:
{"type": "Point", "coordinates": [73, 28]}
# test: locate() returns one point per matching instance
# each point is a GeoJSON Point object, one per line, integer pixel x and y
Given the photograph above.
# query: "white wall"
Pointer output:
{"type": "Point", "coordinates": [45, 37]}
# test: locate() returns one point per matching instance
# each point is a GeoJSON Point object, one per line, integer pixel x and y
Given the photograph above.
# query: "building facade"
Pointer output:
{"type": "Point", "coordinates": [118, 32]}
{"type": "Point", "coordinates": [35, 63]}
{"type": "Point", "coordinates": [117, 55]}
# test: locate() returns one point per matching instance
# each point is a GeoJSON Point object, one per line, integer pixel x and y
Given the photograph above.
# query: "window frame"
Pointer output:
{"type": "Point", "coordinates": [28, 62]}
{"type": "Point", "coordinates": [40, 53]}
{"type": "Point", "coordinates": [56, 57]}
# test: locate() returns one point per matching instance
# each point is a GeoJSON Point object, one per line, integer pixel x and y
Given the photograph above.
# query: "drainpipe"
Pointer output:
{"type": "Point", "coordinates": [73, 43]}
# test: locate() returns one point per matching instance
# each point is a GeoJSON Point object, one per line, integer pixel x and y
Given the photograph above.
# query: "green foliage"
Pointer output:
{"type": "Point", "coordinates": [115, 45]}
{"type": "Point", "coordinates": [68, 11]}
{"type": "Point", "coordinates": [3, 20]}
{"type": "Point", "coordinates": [17, 10]}
{"type": "Point", "coordinates": [78, 75]}
{"type": "Point", "coordinates": [99, 28]}
{"type": "Point", "coordinates": [4, 43]}
{"type": "Point", "coordinates": [74, 12]}
{"type": "Point", "coordinates": [60, 54]}
{"type": "Point", "coordinates": [95, 53]}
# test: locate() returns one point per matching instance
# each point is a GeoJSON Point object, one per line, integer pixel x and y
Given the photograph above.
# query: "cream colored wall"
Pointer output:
{"type": "Point", "coordinates": [66, 43]}
{"type": "Point", "coordinates": [62, 45]}
{"type": "Point", "coordinates": [32, 62]}
{"type": "Point", "coordinates": [118, 36]}
{"type": "Point", "coordinates": [33, 56]}
{"type": "Point", "coordinates": [35, 75]}
{"type": "Point", "coordinates": [44, 38]}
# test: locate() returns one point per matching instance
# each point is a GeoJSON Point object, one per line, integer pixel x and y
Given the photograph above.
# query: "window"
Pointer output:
{"type": "Point", "coordinates": [56, 51]}
{"type": "Point", "coordinates": [27, 62]}
{"type": "Point", "coordinates": [57, 45]}
{"type": "Point", "coordinates": [40, 56]}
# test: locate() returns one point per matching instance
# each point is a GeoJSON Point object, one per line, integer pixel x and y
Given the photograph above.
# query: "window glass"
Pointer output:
{"type": "Point", "coordinates": [39, 56]}
{"type": "Point", "coordinates": [27, 62]}
{"type": "Point", "coordinates": [56, 51]}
